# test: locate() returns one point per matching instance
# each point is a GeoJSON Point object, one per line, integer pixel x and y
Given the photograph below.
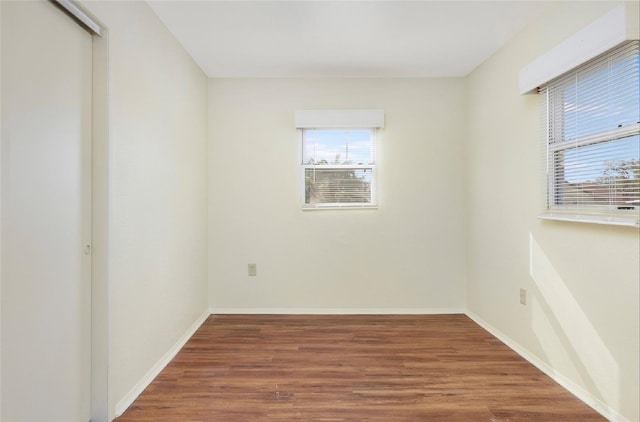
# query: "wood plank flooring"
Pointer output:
{"type": "Point", "coordinates": [351, 368]}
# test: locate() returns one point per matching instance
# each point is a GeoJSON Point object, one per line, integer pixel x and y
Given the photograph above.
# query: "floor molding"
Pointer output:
{"type": "Point", "coordinates": [336, 311]}
{"type": "Point", "coordinates": [592, 401]}
{"type": "Point", "coordinates": [140, 386]}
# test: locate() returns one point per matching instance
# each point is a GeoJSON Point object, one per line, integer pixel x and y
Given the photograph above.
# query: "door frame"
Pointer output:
{"type": "Point", "coordinates": [101, 406]}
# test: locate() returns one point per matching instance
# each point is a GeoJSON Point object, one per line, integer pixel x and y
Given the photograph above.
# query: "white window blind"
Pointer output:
{"type": "Point", "coordinates": [338, 168]}
{"type": "Point", "coordinates": [592, 143]}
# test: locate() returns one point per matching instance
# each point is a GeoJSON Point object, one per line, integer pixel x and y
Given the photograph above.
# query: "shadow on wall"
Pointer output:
{"type": "Point", "coordinates": [558, 311]}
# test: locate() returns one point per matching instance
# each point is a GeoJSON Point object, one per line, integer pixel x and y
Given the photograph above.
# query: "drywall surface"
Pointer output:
{"type": "Point", "coordinates": [406, 256]}
{"type": "Point", "coordinates": [582, 315]}
{"type": "Point", "coordinates": [157, 192]}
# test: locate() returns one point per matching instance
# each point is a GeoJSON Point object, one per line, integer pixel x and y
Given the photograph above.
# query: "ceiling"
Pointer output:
{"type": "Point", "coordinates": [380, 39]}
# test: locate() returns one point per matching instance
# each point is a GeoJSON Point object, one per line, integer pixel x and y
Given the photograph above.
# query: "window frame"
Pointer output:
{"type": "Point", "coordinates": [554, 146]}
{"type": "Point", "coordinates": [304, 167]}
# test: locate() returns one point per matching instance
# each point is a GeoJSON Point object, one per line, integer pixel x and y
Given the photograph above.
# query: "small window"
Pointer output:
{"type": "Point", "coordinates": [338, 168]}
{"type": "Point", "coordinates": [592, 142]}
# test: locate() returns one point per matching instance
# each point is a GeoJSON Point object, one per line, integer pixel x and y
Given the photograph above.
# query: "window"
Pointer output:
{"type": "Point", "coordinates": [338, 168]}
{"type": "Point", "coordinates": [338, 163]}
{"type": "Point", "coordinates": [592, 142]}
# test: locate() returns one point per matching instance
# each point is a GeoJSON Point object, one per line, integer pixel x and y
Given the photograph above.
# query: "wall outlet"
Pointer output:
{"type": "Point", "coordinates": [523, 296]}
{"type": "Point", "coordinates": [253, 270]}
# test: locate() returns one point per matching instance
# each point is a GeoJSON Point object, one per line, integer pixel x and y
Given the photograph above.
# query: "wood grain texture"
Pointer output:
{"type": "Point", "coordinates": [351, 368]}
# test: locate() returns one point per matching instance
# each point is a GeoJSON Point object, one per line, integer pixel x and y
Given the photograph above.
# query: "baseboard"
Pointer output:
{"type": "Point", "coordinates": [592, 401]}
{"type": "Point", "coordinates": [336, 311]}
{"type": "Point", "coordinates": [133, 394]}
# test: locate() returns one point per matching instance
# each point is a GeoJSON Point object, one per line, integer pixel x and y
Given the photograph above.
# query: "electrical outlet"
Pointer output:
{"type": "Point", "coordinates": [523, 296]}
{"type": "Point", "coordinates": [253, 270]}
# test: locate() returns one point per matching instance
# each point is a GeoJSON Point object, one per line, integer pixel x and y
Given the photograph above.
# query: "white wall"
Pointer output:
{"type": "Point", "coordinates": [406, 256]}
{"type": "Point", "coordinates": [157, 193]}
{"type": "Point", "coordinates": [582, 317]}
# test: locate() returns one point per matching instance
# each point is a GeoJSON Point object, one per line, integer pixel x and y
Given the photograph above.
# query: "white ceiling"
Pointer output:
{"type": "Point", "coordinates": [300, 39]}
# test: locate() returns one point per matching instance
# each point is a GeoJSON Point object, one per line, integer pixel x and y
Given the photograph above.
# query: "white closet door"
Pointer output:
{"type": "Point", "coordinates": [46, 212]}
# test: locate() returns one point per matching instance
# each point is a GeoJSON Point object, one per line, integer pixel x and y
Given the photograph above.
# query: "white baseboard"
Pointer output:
{"type": "Point", "coordinates": [137, 389]}
{"type": "Point", "coordinates": [592, 401]}
{"type": "Point", "coordinates": [336, 311]}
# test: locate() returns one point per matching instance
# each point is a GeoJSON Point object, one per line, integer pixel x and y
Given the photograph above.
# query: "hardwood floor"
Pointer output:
{"type": "Point", "coordinates": [351, 368]}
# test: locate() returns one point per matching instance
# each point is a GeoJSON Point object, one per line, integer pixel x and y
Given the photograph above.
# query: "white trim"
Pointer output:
{"type": "Point", "coordinates": [339, 119]}
{"type": "Point", "coordinates": [336, 311]}
{"type": "Point", "coordinates": [338, 206]}
{"type": "Point", "coordinates": [101, 404]}
{"type": "Point", "coordinates": [76, 10]}
{"type": "Point", "coordinates": [592, 401]}
{"type": "Point", "coordinates": [603, 34]}
{"type": "Point", "coordinates": [591, 219]}
{"type": "Point", "coordinates": [137, 389]}
{"type": "Point", "coordinates": [1, 184]}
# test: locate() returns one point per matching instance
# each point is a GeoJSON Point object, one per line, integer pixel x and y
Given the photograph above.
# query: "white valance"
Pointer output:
{"type": "Point", "coordinates": [607, 32]}
{"type": "Point", "coordinates": [339, 119]}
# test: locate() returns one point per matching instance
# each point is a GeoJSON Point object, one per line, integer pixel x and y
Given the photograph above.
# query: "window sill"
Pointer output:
{"type": "Point", "coordinates": [339, 207]}
{"type": "Point", "coordinates": [592, 219]}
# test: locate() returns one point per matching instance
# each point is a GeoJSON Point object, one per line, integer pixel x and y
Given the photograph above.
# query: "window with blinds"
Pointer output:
{"type": "Point", "coordinates": [339, 168]}
{"type": "Point", "coordinates": [592, 142]}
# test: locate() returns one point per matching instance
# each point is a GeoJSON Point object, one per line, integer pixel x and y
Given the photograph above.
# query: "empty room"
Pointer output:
{"type": "Point", "coordinates": [319, 210]}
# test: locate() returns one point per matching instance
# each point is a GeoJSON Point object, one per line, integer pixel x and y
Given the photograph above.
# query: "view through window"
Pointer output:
{"type": "Point", "coordinates": [339, 168]}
